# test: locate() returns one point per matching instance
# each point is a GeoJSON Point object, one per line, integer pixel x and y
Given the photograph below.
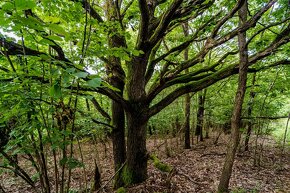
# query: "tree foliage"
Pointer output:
{"type": "Point", "coordinates": [58, 59]}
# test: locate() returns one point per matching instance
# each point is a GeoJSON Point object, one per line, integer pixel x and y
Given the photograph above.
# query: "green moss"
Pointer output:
{"type": "Point", "coordinates": [127, 176]}
{"type": "Point", "coordinates": [160, 165]}
{"type": "Point", "coordinates": [121, 190]}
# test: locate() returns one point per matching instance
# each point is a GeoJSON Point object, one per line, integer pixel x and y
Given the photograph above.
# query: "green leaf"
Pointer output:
{"type": "Point", "coordinates": [81, 74]}
{"type": "Point", "coordinates": [94, 83]}
{"type": "Point", "coordinates": [44, 57]}
{"type": "Point", "coordinates": [57, 29]}
{"type": "Point", "coordinates": [56, 38]}
{"type": "Point", "coordinates": [71, 163]}
{"type": "Point", "coordinates": [30, 22]}
{"type": "Point", "coordinates": [137, 52]}
{"type": "Point", "coordinates": [24, 4]}
{"type": "Point", "coordinates": [55, 90]}
{"type": "Point", "coordinates": [35, 177]}
{"type": "Point", "coordinates": [70, 70]}
{"type": "Point", "coordinates": [51, 19]}
{"type": "Point", "coordinates": [8, 6]}
{"type": "Point", "coordinates": [46, 42]}
{"type": "Point", "coordinates": [110, 87]}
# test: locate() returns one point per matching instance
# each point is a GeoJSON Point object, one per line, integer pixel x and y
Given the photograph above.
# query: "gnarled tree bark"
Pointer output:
{"type": "Point", "coordinates": [116, 78]}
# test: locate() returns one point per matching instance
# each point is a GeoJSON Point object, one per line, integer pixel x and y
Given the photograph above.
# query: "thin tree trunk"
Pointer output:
{"type": "Point", "coordinates": [207, 131]}
{"type": "Point", "coordinates": [250, 108]}
{"type": "Point", "coordinates": [236, 116]}
{"type": "Point", "coordinates": [18, 170]}
{"type": "Point", "coordinates": [97, 178]}
{"type": "Point", "coordinates": [187, 99]}
{"type": "Point", "coordinates": [285, 134]}
{"type": "Point", "coordinates": [200, 115]}
{"type": "Point", "coordinates": [284, 139]}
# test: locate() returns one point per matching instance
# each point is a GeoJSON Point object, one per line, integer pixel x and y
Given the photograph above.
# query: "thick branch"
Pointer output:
{"type": "Point", "coordinates": [16, 49]}
{"type": "Point", "coordinates": [226, 18]}
{"type": "Point", "coordinates": [100, 109]}
{"type": "Point", "coordinates": [191, 6]}
{"type": "Point", "coordinates": [212, 43]}
{"type": "Point", "coordinates": [265, 28]}
{"type": "Point", "coordinates": [105, 91]}
{"type": "Point", "coordinates": [192, 87]}
{"type": "Point", "coordinates": [185, 44]}
{"type": "Point", "coordinates": [144, 24]}
{"type": "Point", "coordinates": [204, 83]}
{"type": "Point", "coordinates": [164, 22]}
{"type": "Point", "coordinates": [278, 63]}
{"type": "Point", "coordinates": [282, 38]}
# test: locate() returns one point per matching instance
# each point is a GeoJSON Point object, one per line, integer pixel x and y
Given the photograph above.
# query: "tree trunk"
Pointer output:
{"type": "Point", "coordinates": [250, 108]}
{"type": "Point", "coordinates": [187, 100]}
{"type": "Point", "coordinates": [97, 178]}
{"type": "Point", "coordinates": [284, 138]}
{"type": "Point", "coordinates": [236, 116]}
{"type": "Point", "coordinates": [200, 115]}
{"type": "Point", "coordinates": [117, 75]}
{"type": "Point", "coordinates": [206, 132]}
{"type": "Point", "coordinates": [187, 122]}
{"type": "Point", "coordinates": [118, 139]}
{"type": "Point", "coordinates": [137, 119]}
{"type": "Point", "coordinates": [136, 170]}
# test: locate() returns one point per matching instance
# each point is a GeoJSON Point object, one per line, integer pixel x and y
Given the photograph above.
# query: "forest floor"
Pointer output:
{"type": "Point", "coordinates": [194, 170]}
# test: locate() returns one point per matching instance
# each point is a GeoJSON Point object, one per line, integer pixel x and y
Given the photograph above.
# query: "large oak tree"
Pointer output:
{"type": "Point", "coordinates": [140, 44]}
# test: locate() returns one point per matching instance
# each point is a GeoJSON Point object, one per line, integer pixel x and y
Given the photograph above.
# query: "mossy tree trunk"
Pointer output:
{"type": "Point", "coordinates": [136, 170]}
{"type": "Point", "coordinates": [137, 118]}
{"type": "Point", "coordinates": [116, 78]}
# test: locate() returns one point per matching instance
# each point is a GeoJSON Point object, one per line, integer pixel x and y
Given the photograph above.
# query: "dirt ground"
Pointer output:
{"type": "Point", "coordinates": [194, 170]}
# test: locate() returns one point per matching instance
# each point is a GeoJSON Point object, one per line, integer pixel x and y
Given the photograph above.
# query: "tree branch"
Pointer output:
{"type": "Point", "coordinates": [212, 43]}
{"type": "Point", "coordinates": [144, 24]}
{"type": "Point", "coordinates": [165, 20]}
{"type": "Point", "coordinates": [100, 109]}
{"type": "Point", "coordinates": [16, 49]}
{"type": "Point", "coordinates": [93, 13]}
{"type": "Point", "coordinates": [213, 78]}
{"type": "Point", "coordinates": [126, 8]}
{"type": "Point", "coordinates": [226, 18]}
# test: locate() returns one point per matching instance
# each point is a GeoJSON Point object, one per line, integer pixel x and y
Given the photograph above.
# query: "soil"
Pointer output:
{"type": "Point", "coordinates": [194, 170]}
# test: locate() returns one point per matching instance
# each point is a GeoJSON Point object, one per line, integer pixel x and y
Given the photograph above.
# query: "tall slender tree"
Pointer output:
{"type": "Point", "coordinates": [250, 109]}
{"type": "Point", "coordinates": [200, 115]}
{"type": "Point", "coordinates": [239, 99]}
{"type": "Point", "coordinates": [187, 98]}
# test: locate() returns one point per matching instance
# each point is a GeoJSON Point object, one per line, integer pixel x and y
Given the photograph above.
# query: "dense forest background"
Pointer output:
{"type": "Point", "coordinates": [144, 96]}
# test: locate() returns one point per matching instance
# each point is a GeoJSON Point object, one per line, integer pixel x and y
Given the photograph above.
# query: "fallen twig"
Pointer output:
{"type": "Point", "coordinates": [112, 177]}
